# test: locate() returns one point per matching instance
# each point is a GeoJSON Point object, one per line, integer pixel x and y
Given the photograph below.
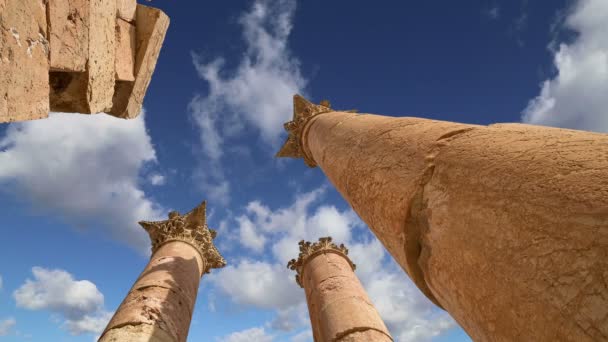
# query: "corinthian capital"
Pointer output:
{"type": "Point", "coordinates": [309, 250]}
{"type": "Point", "coordinates": [190, 228]}
{"type": "Point", "coordinates": [303, 112]}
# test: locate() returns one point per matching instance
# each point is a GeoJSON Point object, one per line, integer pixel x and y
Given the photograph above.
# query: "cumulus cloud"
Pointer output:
{"type": "Point", "coordinates": [303, 336]}
{"type": "Point", "coordinates": [84, 168]}
{"type": "Point", "coordinates": [258, 284]}
{"type": "Point", "coordinates": [6, 325]}
{"type": "Point", "coordinates": [156, 179]}
{"type": "Point", "coordinates": [241, 98]}
{"type": "Point", "coordinates": [253, 334]}
{"type": "Point", "coordinates": [268, 284]}
{"type": "Point", "coordinates": [576, 96]}
{"type": "Point", "coordinates": [55, 290]}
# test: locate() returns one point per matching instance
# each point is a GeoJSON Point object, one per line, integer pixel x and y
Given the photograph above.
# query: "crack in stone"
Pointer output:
{"type": "Point", "coordinates": [417, 224]}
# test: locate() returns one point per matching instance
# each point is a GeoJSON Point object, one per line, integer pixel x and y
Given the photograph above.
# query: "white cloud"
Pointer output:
{"type": "Point", "coordinates": [304, 336]}
{"type": "Point", "coordinates": [78, 301]}
{"type": "Point", "coordinates": [89, 323]}
{"type": "Point", "coordinates": [292, 317]}
{"type": "Point", "coordinates": [405, 310]}
{"type": "Point", "coordinates": [258, 284]}
{"type": "Point", "coordinates": [6, 325]}
{"type": "Point", "coordinates": [84, 168]}
{"type": "Point", "coordinates": [242, 98]}
{"type": "Point", "coordinates": [268, 284]}
{"type": "Point", "coordinates": [576, 96]}
{"type": "Point", "coordinates": [157, 179]}
{"type": "Point", "coordinates": [249, 236]}
{"type": "Point", "coordinates": [253, 334]}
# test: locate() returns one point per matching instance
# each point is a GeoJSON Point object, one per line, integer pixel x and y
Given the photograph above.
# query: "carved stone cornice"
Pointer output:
{"type": "Point", "coordinates": [303, 112]}
{"type": "Point", "coordinates": [191, 229]}
{"type": "Point", "coordinates": [309, 250]}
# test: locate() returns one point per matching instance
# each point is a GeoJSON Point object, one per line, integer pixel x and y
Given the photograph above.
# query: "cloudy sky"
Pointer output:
{"type": "Point", "coordinates": [73, 187]}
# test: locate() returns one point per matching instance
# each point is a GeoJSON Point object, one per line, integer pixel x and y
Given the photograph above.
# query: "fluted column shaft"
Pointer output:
{"type": "Point", "coordinates": [160, 304]}
{"type": "Point", "coordinates": [505, 226]}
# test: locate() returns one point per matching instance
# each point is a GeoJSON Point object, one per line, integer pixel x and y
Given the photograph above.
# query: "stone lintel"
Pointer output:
{"type": "Point", "coordinates": [24, 48]}
{"type": "Point", "coordinates": [125, 9]}
{"type": "Point", "coordinates": [309, 250]}
{"type": "Point", "coordinates": [190, 228]}
{"type": "Point", "coordinates": [152, 25]}
{"type": "Point", "coordinates": [68, 24]}
{"type": "Point", "coordinates": [125, 50]}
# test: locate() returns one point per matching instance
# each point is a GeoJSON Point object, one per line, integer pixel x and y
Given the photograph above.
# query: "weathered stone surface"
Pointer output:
{"type": "Point", "coordinates": [91, 51]}
{"type": "Point", "coordinates": [504, 226]}
{"type": "Point", "coordinates": [68, 34]}
{"type": "Point", "coordinates": [24, 88]}
{"type": "Point", "coordinates": [161, 302]}
{"type": "Point", "coordinates": [102, 49]}
{"type": "Point", "coordinates": [152, 26]}
{"type": "Point", "coordinates": [125, 50]}
{"type": "Point", "coordinates": [126, 9]}
{"type": "Point", "coordinates": [337, 303]}
{"type": "Point", "coordinates": [137, 333]}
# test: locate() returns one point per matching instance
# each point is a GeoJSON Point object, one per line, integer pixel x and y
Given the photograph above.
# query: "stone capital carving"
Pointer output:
{"type": "Point", "coordinates": [190, 228]}
{"type": "Point", "coordinates": [303, 112]}
{"type": "Point", "coordinates": [309, 250]}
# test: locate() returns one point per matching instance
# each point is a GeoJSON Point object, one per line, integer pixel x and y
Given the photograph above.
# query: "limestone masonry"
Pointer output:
{"type": "Point", "coordinates": [504, 226]}
{"type": "Point", "coordinates": [76, 56]}
{"type": "Point", "coordinates": [160, 304]}
{"type": "Point", "coordinates": [337, 303]}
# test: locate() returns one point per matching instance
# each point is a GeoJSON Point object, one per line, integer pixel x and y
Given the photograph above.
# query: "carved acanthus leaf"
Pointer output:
{"type": "Point", "coordinates": [190, 228]}
{"type": "Point", "coordinates": [309, 250]}
{"type": "Point", "coordinates": [303, 112]}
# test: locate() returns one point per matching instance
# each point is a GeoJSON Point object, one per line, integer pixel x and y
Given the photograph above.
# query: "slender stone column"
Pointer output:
{"type": "Point", "coordinates": [337, 303]}
{"type": "Point", "coordinates": [505, 226]}
{"type": "Point", "coordinates": [159, 306]}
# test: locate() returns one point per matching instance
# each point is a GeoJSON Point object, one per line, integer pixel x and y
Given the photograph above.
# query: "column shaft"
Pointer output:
{"type": "Point", "coordinates": [504, 226]}
{"type": "Point", "coordinates": [160, 304]}
{"type": "Point", "coordinates": [337, 303]}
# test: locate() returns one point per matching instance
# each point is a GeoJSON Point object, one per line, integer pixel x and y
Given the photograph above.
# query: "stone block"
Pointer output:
{"type": "Point", "coordinates": [152, 26]}
{"type": "Point", "coordinates": [126, 9]}
{"type": "Point", "coordinates": [68, 34]}
{"type": "Point", "coordinates": [102, 49]}
{"type": "Point", "coordinates": [125, 50]}
{"type": "Point", "coordinates": [24, 67]}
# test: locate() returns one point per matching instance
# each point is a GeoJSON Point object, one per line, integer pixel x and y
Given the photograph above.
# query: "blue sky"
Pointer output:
{"type": "Point", "coordinates": [74, 186]}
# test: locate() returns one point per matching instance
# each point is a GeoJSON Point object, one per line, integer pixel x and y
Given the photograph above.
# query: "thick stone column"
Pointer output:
{"type": "Point", "coordinates": [337, 303]}
{"type": "Point", "coordinates": [159, 306]}
{"type": "Point", "coordinates": [505, 226]}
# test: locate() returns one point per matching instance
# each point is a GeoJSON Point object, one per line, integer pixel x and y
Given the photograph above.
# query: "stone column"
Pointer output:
{"type": "Point", "coordinates": [505, 226]}
{"type": "Point", "coordinates": [159, 306]}
{"type": "Point", "coordinates": [337, 303]}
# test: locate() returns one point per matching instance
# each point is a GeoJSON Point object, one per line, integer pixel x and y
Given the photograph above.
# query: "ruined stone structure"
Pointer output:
{"type": "Point", "coordinates": [82, 56]}
{"type": "Point", "coordinates": [159, 306]}
{"type": "Point", "coordinates": [337, 303]}
{"type": "Point", "coordinates": [504, 226]}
